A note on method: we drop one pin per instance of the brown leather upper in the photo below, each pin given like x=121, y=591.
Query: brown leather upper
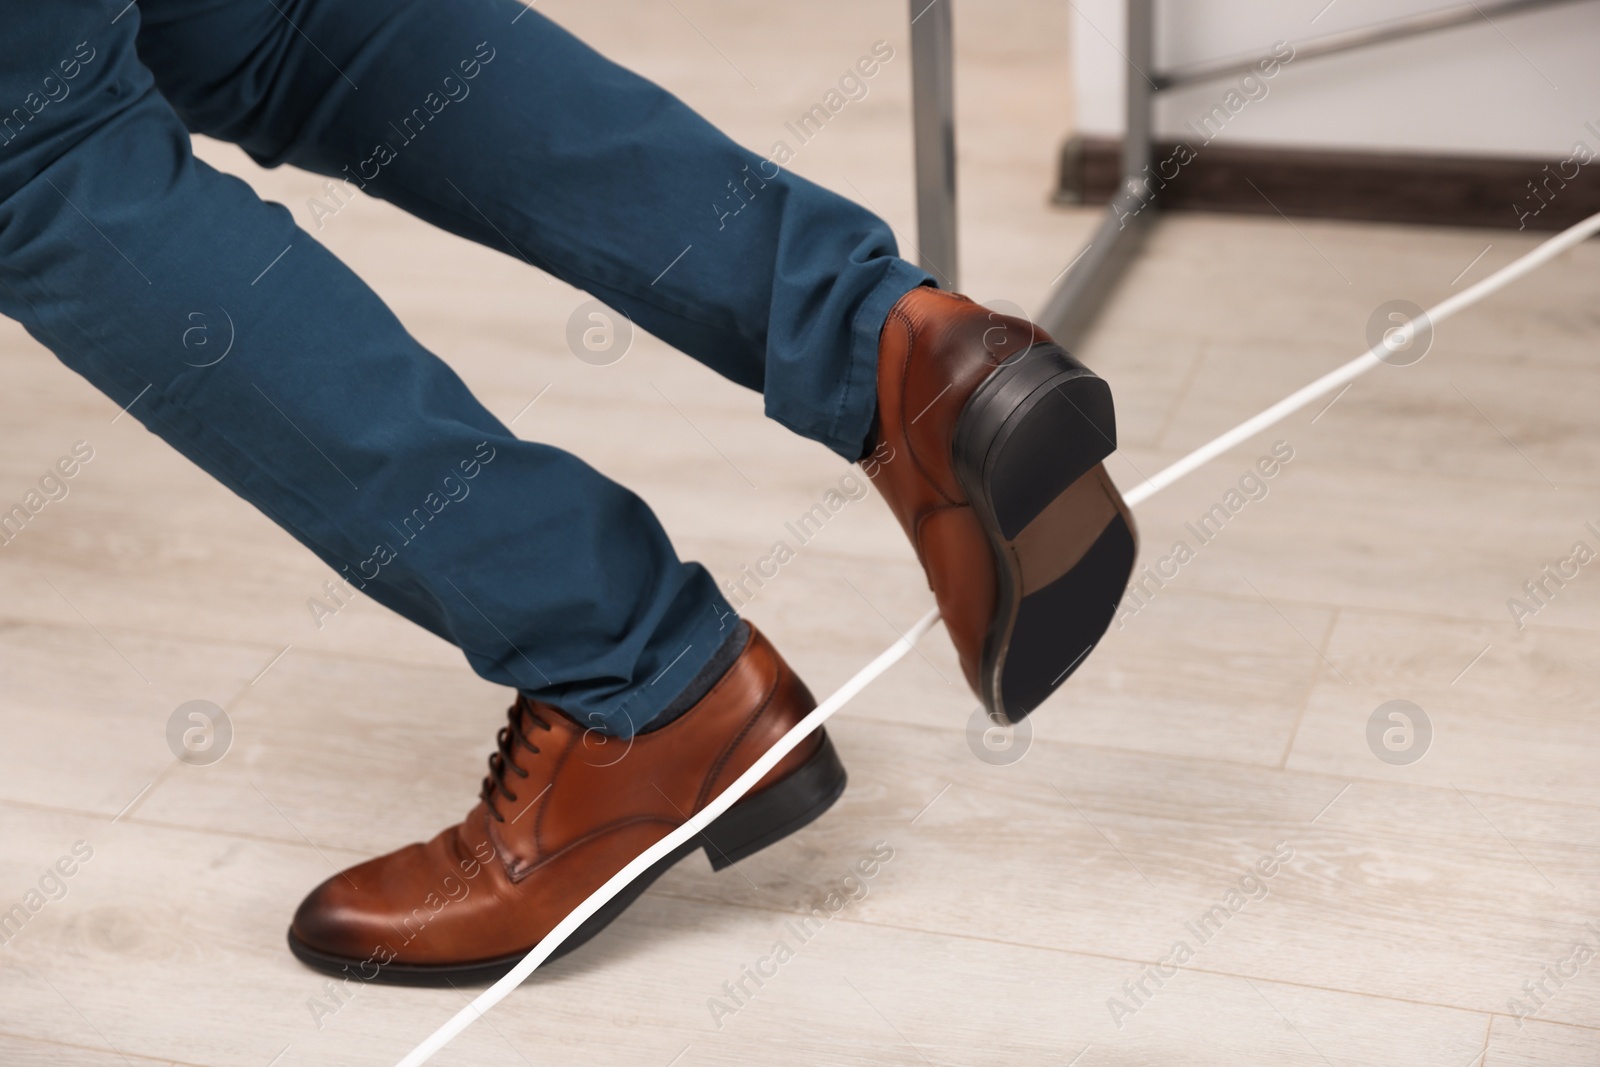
x=936, y=348
x=496, y=883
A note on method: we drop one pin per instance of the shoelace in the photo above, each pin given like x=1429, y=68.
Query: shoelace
x=503, y=758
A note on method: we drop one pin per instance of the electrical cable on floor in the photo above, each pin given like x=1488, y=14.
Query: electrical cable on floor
x=1394, y=341
x=1397, y=340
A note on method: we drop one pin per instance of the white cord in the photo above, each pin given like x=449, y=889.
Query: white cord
x=1537, y=257
x=804, y=728
x=667, y=845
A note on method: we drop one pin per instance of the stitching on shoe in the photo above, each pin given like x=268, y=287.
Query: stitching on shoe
x=544, y=806
x=744, y=731
x=916, y=541
x=905, y=427
x=521, y=874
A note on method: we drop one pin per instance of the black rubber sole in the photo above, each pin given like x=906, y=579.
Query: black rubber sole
x=1057, y=627
x=1037, y=428
x=745, y=829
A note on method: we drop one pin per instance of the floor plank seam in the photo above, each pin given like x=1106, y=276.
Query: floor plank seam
x=1314, y=676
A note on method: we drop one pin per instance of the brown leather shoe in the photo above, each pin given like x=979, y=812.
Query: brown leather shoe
x=558, y=816
x=990, y=438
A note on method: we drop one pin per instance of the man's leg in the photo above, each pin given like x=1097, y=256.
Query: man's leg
x=490, y=121
x=326, y=415
x=115, y=244
x=483, y=117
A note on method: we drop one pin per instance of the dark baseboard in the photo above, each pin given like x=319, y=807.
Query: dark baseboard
x=1534, y=194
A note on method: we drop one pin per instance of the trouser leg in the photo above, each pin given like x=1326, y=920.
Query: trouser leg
x=324, y=413
x=485, y=118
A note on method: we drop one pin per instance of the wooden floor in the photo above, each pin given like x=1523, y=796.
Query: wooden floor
x=1031, y=908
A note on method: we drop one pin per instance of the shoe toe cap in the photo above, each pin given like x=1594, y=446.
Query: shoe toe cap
x=355, y=913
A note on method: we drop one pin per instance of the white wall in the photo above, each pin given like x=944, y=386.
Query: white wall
x=1523, y=86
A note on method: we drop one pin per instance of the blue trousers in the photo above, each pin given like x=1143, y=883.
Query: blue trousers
x=483, y=118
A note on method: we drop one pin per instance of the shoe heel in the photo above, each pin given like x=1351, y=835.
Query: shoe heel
x=1035, y=426
x=777, y=811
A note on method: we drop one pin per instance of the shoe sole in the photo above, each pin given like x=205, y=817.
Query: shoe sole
x=1028, y=451
x=745, y=829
